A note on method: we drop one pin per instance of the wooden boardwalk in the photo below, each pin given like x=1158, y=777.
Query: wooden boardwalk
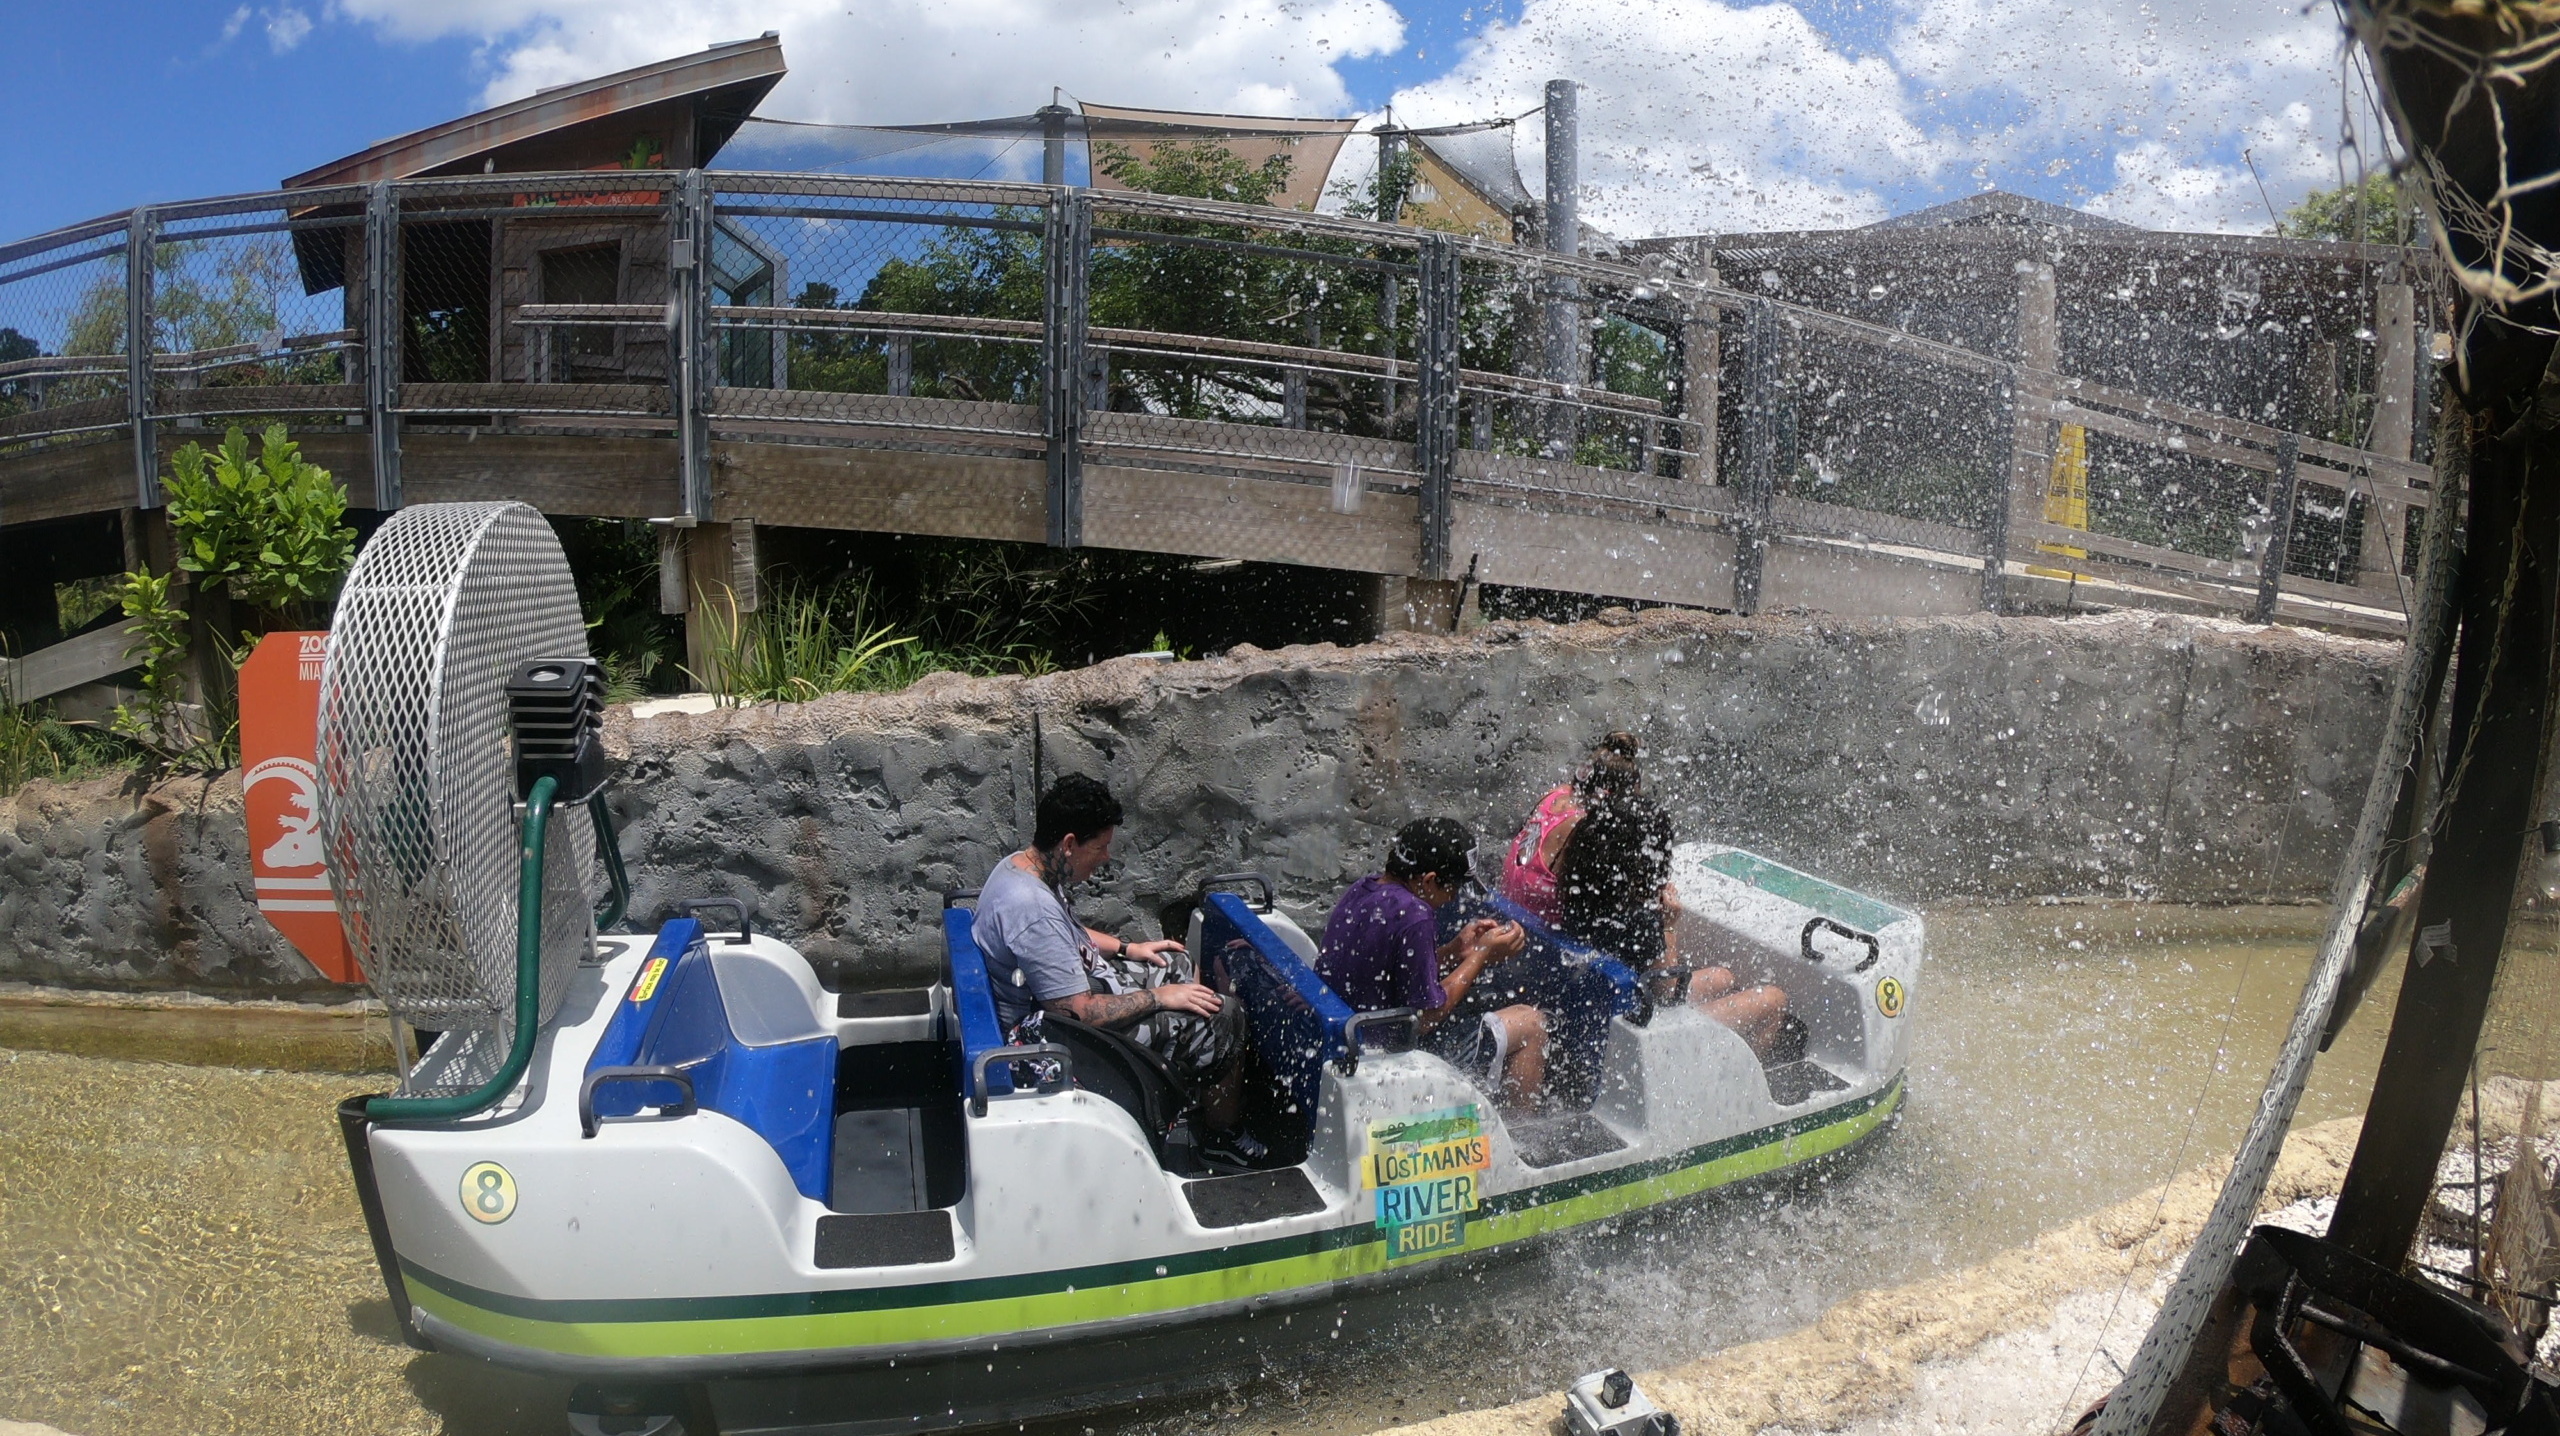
x=1402, y=450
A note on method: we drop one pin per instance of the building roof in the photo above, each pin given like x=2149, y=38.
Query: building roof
x=1998, y=209
x=725, y=83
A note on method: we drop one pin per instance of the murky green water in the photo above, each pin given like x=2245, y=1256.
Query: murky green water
x=179, y=1250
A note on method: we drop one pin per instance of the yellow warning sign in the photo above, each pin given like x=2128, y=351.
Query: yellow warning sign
x=648, y=983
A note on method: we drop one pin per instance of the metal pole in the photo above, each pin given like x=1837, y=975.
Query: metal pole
x=1436, y=439
x=141, y=246
x=1390, y=210
x=382, y=327
x=1053, y=143
x=2271, y=556
x=1759, y=452
x=1067, y=251
x=689, y=236
x=1562, y=221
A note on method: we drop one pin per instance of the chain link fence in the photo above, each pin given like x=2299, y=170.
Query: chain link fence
x=1142, y=371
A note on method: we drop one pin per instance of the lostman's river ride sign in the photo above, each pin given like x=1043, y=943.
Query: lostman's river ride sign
x=1428, y=1171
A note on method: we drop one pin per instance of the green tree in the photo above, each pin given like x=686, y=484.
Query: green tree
x=262, y=530
x=2388, y=216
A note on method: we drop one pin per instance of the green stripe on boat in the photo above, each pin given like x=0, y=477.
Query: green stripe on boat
x=669, y=1327
x=1805, y=890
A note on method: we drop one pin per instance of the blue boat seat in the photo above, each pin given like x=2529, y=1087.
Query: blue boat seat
x=1297, y=1021
x=677, y=1015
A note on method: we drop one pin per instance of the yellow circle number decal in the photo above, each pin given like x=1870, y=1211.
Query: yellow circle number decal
x=1889, y=997
x=488, y=1193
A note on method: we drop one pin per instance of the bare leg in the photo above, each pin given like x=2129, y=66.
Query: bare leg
x=1524, y=1069
x=1709, y=983
x=1754, y=1013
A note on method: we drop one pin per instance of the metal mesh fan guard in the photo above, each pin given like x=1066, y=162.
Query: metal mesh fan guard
x=417, y=799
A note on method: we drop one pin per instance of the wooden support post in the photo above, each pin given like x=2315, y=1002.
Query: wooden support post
x=2379, y=560
x=1701, y=352
x=718, y=568
x=2031, y=396
x=1398, y=604
x=380, y=326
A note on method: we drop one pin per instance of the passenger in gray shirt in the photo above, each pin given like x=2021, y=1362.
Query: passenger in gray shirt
x=1041, y=959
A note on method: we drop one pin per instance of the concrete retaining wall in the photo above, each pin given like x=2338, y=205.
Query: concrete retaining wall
x=2138, y=756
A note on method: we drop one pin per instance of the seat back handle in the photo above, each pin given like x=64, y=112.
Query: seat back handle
x=1232, y=882
x=1355, y=1030
x=1875, y=949
x=1052, y=1079
x=687, y=907
x=589, y=1119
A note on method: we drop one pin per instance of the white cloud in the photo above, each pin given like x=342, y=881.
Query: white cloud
x=286, y=28
x=1696, y=115
x=893, y=61
x=231, y=27
x=2147, y=108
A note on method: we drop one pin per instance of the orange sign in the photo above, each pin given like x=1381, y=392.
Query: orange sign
x=280, y=788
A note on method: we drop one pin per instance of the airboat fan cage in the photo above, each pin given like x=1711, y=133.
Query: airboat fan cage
x=417, y=793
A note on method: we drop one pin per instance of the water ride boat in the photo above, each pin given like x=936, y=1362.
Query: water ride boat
x=682, y=1169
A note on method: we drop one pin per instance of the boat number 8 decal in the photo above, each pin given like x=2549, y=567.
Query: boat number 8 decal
x=488, y=1193
x=1889, y=997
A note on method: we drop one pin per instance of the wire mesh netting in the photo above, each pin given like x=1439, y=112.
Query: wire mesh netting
x=540, y=303
x=858, y=306
x=63, y=314
x=1212, y=342
x=417, y=783
x=250, y=319
x=1865, y=429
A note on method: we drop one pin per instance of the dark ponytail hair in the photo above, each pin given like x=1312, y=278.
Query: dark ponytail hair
x=1612, y=771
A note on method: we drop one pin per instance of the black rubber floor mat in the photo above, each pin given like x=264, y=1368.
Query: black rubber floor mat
x=1794, y=1082
x=1252, y=1197
x=910, y=1002
x=885, y=1239
x=1554, y=1141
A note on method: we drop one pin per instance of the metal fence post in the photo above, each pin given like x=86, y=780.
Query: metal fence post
x=2280, y=491
x=1701, y=355
x=2020, y=497
x=688, y=249
x=1436, y=399
x=1067, y=251
x=382, y=337
x=141, y=246
x=1758, y=479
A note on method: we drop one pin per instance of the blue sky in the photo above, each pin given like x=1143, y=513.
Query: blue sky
x=1701, y=113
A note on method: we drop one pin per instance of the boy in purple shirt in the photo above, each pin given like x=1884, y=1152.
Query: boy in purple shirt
x=1381, y=950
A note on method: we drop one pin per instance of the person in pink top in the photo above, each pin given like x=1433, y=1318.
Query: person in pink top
x=1529, y=871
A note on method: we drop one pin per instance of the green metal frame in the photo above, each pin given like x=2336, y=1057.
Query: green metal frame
x=537, y=818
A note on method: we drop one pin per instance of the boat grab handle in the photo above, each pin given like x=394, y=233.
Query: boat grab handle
x=1354, y=1025
x=1676, y=992
x=687, y=907
x=1232, y=880
x=1875, y=949
x=1053, y=1079
x=957, y=896
x=588, y=1118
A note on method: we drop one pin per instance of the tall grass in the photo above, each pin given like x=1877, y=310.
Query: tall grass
x=809, y=640
x=35, y=744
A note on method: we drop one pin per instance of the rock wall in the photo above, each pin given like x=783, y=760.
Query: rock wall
x=2138, y=756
